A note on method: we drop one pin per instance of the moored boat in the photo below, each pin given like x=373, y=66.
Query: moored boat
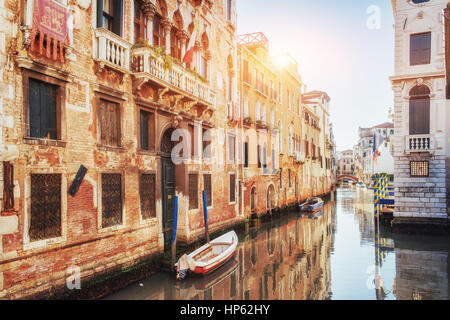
x=311, y=205
x=209, y=257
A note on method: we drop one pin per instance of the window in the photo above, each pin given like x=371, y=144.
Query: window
x=8, y=187
x=204, y=67
x=232, y=188
x=144, y=124
x=109, y=123
x=111, y=200
x=419, y=1
x=147, y=184
x=420, y=48
x=45, y=218
x=158, y=31
x=207, y=186
x=253, y=199
x=193, y=191
x=419, y=168
x=42, y=110
x=289, y=176
x=259, y=156
x=419, y=110
x=206, y=144
x=110, y=15
x=281, y=178
x=140, y=23
x=246, y=155
x=231, y=147
x=229, y=3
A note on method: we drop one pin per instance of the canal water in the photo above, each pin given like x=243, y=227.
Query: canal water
x=333, y=255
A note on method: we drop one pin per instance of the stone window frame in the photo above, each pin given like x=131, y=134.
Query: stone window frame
x=149, y=221
x=61, y=129
x=118, y=227
x=28, y=244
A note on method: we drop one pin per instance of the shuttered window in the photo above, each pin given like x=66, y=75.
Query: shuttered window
x=419, y=110
x=420, y=48
x=231, y=148
x=109, y=123
x=147, y=184
x=144, y=124
x=42, y=110
x=111, y=200
x=232, y=188
x=45, y=218
x=193, y=191
x=208, y=189
x=8, y=187
x=246, y=155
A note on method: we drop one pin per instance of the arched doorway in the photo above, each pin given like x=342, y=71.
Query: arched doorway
x=253, y=200
x=271, y=201
x=168, y=184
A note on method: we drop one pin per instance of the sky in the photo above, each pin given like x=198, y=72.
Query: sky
x=337, y=53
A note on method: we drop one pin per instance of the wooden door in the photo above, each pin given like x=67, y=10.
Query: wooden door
x=168, y=197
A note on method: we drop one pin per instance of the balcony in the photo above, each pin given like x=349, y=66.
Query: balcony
x=419, y=143
x=111, y=50
x=300, y=157
x=148, y=65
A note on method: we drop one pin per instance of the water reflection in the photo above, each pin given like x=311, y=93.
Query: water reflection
x=335, y=254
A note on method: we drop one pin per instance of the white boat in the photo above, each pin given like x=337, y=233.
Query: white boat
x=209, y=257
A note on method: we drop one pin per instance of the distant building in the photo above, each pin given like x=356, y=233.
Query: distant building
x=365, y=167
x=345, y=163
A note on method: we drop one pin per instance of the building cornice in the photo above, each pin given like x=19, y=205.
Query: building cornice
x=440, y=74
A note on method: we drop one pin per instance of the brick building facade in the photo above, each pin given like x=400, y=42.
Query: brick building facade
x=110, y=125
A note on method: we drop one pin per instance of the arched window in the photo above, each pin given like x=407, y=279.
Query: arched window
x=175, y=36
x=158, y=30
x=204, y=56
x=253, y=199
x=419, y=110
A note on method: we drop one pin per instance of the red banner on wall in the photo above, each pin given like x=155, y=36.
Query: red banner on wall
x=50, y=22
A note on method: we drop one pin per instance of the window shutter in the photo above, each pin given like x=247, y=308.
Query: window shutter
x=99, y=13
x=232, y=188
x=193, y=191
x=118, y=17
x=34, y=109
x=144, y=130
x=147, y=193
x=208, y=189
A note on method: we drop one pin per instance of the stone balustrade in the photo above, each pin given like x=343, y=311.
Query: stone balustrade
x=147, y=63
x=419, y=143
x=111, y=49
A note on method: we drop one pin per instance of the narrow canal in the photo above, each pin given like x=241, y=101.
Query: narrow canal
x=335, y=255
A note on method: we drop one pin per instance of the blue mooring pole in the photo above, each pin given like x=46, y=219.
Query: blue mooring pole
x=174, y=231
x=205, y=214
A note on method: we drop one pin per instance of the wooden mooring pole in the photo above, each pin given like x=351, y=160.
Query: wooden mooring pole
x=174, y=231
x=205, y=213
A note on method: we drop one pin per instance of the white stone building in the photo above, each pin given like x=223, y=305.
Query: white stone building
x=421, y=119
x=365, y=167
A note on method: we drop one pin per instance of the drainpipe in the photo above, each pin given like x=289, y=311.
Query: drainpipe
x=241, y=107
